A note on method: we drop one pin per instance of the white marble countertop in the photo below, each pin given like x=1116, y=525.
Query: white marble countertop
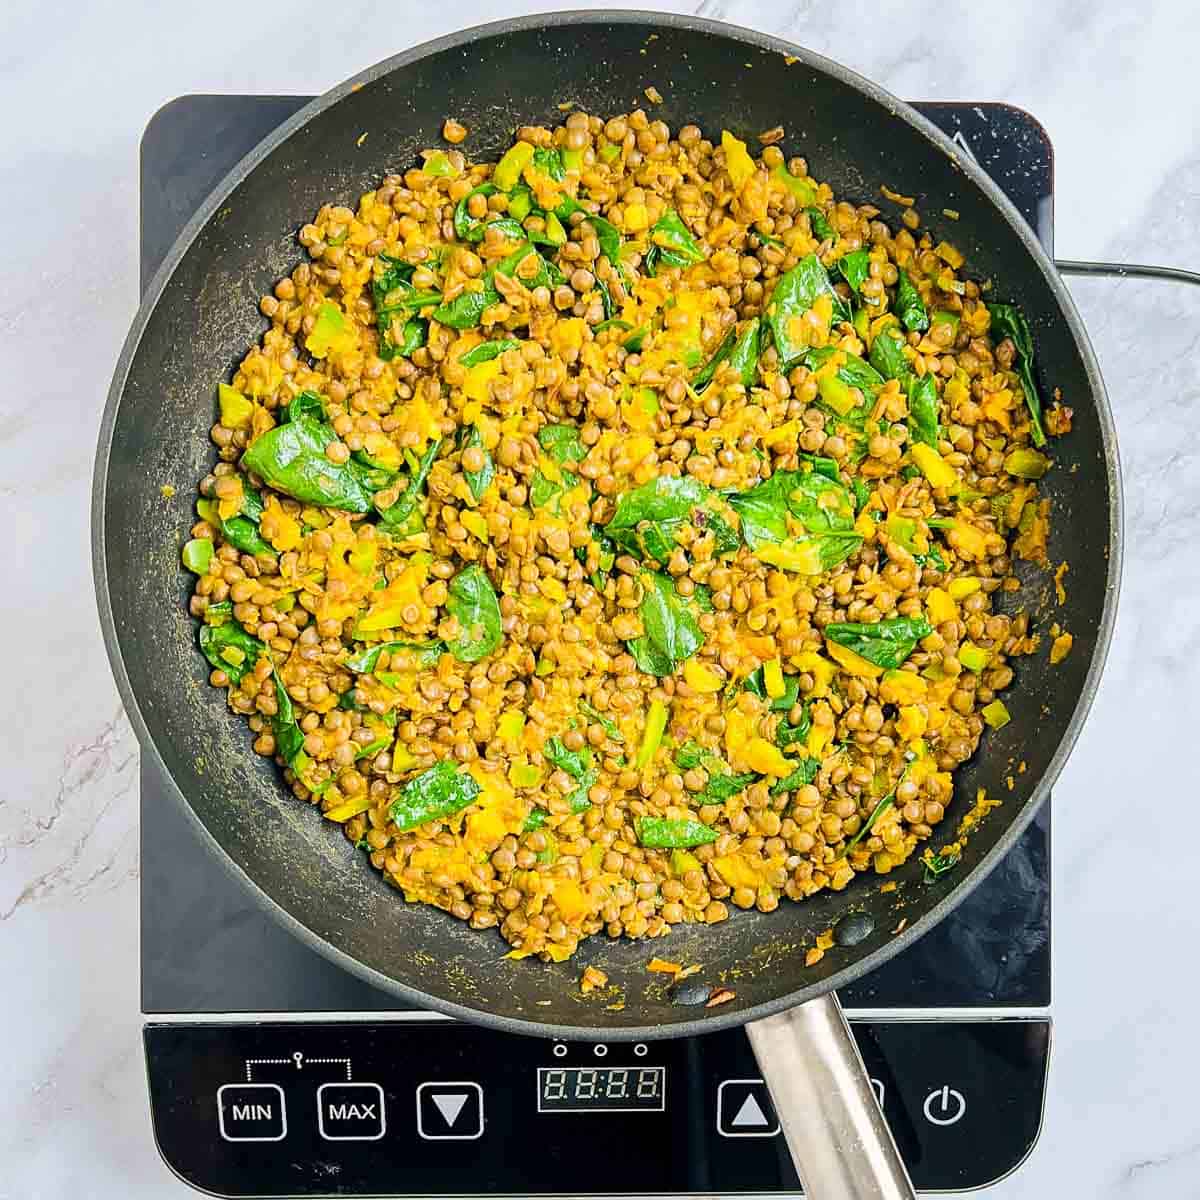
x=1114, y=86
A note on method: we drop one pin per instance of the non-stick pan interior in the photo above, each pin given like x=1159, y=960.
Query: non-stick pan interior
x=204, y=316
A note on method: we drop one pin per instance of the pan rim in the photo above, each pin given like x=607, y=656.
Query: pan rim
x=896, y=108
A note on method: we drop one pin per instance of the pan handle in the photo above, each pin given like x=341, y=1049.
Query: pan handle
x=1068, y=266
x=840, y=1144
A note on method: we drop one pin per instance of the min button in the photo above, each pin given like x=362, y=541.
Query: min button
x=252, y=1112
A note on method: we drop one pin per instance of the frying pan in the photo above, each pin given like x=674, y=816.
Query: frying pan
x=200, y=314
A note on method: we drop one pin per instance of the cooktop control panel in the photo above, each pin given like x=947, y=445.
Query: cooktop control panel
x=416, y=1107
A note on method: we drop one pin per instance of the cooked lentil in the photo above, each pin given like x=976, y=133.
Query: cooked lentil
x=569, y=550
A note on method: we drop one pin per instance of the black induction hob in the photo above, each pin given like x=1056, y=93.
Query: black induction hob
x=272, y=1072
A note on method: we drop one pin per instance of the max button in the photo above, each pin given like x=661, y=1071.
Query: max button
x=351, y=1112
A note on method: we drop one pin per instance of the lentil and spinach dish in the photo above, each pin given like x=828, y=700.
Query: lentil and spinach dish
x=611, y=535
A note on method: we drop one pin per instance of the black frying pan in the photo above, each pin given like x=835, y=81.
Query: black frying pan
x=200, y=314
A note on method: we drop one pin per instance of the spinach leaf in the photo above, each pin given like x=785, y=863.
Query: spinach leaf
x=885, y=643
x=887, y=356
x=740, y=351
x=862, y=493
x=794, y=294
x=401, y=331
x=486, y=351
x=609, y=238
x=705, y=375
x=466, y=227
x=671, y=634
x=608, y=307
x=909, y=306
x=818, y=503
x=856, y=269
x=1008, y=321
x=473, y=601
x=672, y=244
x=548, y=160
x=478, y=481
x=466, y=310
x=876, y=813
x=240, y=532
x=367, y=659
x=822, y=509
x=933, y=559
x=819, y=224
x=756, y=684
x=562, y=443
x=689, y=755
x=291, y=459
x=402, y=513
x=806, y=771
x=636, y=340
x=439, y=792
x=648, y=519
x=229, y=648
x=722, y=787
x=606, y=723
x=936, y=865
x=835, y=395
x=923, y=410
x=663, y=833
x=545, y=493
x=787, y=734
x=822, y=465
x=289, y=738
x=576, y=763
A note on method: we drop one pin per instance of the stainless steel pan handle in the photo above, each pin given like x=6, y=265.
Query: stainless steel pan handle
x=840, y=1144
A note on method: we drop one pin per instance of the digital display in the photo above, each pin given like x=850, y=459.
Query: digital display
x=602, y=1089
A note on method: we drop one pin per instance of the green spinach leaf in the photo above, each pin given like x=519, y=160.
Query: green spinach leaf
x=909, y=306
x=887, y=356
x=478, y=481
x=289, y=738
x=856, y=269
x=1008, y=321
x=807, y=771
x=562, y=443
x=291, y=459
x=671, y=634
x=885, y=643
x=671, y=244
x=606, y=723
x=663, y=833
x=486, y=351
x=439, y=792
x=819, y=224
x=648, y=519
x=756, y=684
x=426, y=655
x=740, y=351
x=402, y=513
x=466, y=227
x=794, y=294
x=473, y=602
x=923, y=410
x=229, y=648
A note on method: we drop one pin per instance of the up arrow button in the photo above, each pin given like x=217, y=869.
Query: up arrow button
x=744, y=1109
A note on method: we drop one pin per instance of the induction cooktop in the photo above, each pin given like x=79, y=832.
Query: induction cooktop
x=272, y=1072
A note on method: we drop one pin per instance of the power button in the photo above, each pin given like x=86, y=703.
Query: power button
x=945, y=1106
